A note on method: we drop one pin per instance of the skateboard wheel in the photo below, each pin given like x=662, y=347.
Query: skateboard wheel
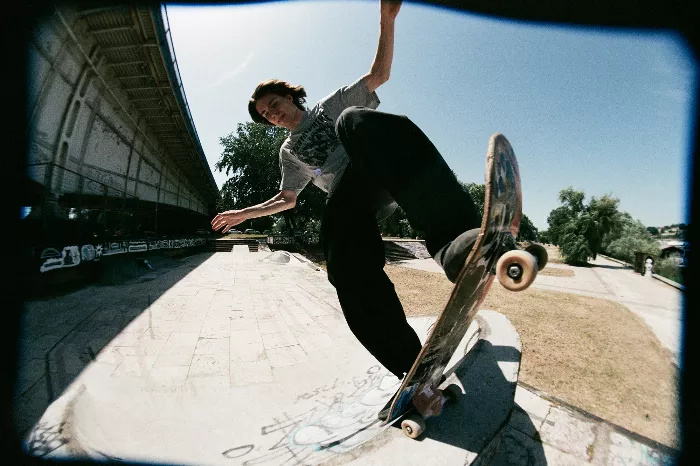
x=452, y=392
x=413, y=426
x=540, y=253
x=516, y=270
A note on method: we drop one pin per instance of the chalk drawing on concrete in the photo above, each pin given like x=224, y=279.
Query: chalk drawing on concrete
x=343, y=417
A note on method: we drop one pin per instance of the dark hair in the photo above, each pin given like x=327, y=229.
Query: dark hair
x=281, y=88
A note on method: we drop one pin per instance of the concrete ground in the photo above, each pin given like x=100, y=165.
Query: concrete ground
x=244, y=358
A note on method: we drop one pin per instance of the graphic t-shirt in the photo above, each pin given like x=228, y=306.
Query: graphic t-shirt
x=313, y=152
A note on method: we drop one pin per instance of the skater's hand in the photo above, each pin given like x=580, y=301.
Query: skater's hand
x=389, y=9
x=225, y=220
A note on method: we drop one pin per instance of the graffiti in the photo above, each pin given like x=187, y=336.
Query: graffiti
x=45, y=438
x=344, y=416
x=87, y=252
x=137, y=246
x=70, y=256
x=97, y=179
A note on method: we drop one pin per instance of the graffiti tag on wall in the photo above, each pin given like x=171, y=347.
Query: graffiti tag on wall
x=71, y=256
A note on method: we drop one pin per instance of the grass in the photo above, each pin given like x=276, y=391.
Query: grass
x=554, y=256
x=556, y=272
x=592, y=353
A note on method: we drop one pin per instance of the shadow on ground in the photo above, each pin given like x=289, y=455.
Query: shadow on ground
x=62, y=332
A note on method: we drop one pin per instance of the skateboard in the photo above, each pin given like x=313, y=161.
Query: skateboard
x=495, y=254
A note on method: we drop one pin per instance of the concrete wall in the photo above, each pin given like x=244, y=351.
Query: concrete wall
x=83, y=139
x=99, y=169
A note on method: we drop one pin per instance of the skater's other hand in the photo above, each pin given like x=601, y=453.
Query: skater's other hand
x=225, y=220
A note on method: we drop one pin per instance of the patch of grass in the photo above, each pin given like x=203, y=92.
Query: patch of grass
x=556, y=272
x=554, y=256
x=592, y=353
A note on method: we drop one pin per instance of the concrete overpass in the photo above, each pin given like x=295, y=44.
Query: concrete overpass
x=114, y=161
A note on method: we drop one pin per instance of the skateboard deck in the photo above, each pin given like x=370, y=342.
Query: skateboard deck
x=499, y=228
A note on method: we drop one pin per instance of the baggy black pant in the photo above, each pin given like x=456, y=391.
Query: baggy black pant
x=387, y=152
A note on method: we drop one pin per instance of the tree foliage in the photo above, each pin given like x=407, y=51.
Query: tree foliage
x=581, y=230
x=527, y=232
x=632, y=237
x=251, y=160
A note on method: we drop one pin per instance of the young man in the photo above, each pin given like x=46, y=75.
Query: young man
x=367, y=161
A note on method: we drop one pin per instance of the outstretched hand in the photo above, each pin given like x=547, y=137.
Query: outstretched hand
x=225, y=220
x=389, y=9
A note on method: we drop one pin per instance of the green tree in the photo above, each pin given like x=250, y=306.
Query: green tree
x=581, y=230
x=557, y=220
x=251, y=160
x=653, y=231
x=528, y=231
x=633, y=237
x=478, y=194
x=543, y=237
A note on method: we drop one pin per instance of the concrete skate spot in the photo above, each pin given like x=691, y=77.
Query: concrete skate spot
x=279, y=257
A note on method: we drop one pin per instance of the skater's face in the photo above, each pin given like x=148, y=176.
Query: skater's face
x=279, y=110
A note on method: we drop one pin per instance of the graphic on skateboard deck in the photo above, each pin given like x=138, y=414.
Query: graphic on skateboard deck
x=494, y=254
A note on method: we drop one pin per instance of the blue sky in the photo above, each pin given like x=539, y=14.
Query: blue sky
x=604, y=111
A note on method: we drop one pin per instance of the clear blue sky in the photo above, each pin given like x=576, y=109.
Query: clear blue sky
x=604, y=111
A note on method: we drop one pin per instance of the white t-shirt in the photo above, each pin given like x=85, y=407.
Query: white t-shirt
x=313, y=152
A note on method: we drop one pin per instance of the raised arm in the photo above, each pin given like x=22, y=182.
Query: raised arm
x=282, y=201
x=381, y=67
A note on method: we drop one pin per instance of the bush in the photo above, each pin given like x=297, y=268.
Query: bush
x=633, y=238
x=669, y=267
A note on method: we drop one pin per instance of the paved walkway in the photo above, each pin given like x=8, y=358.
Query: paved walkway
x=231, y=358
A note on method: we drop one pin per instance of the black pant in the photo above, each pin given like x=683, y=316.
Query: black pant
x=387, y=152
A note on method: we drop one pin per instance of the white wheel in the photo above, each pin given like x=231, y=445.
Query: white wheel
x=413, y=426
x=516, y=270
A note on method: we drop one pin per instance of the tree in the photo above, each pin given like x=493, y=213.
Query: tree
x=633, y=237
x=477, y=193
x=251, y=159
x=582, y=230
x=527, y=231
x=653, y=231
x=544, y=237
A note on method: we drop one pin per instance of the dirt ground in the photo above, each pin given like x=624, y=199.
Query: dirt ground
x=592, y=353
x=554, y=272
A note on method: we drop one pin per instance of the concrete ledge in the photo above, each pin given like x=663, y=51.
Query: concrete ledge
x=616, y=260
x=668, y=282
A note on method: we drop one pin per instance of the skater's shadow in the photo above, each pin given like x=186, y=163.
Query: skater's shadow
x=480, y=421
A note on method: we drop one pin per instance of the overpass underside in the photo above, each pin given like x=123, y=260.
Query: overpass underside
x=114, y=160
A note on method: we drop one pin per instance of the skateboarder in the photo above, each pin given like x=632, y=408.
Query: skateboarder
x=367, y=161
